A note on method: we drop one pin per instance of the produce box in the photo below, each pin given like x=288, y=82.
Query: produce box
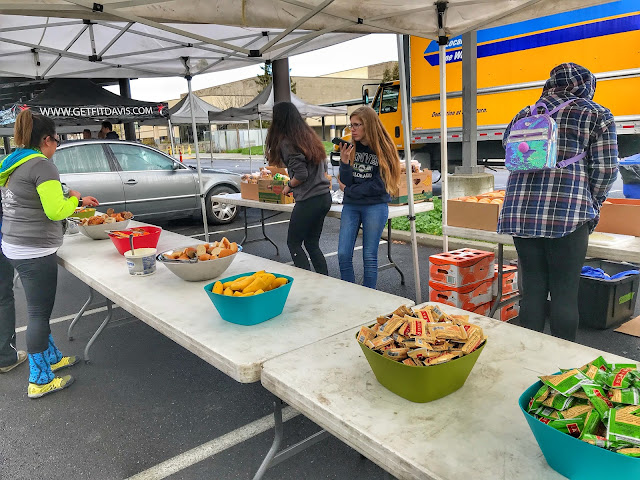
x=483, y=309
x=620, y=215
x=467, y=297
x=249, y=191
x=422, y=189
x=270, y=191
x=509, y=279
x=274, y=170
x=476, y=212
x=510, y=310
x=461, y=267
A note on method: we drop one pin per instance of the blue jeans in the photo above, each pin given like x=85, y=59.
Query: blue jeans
x=373, y=218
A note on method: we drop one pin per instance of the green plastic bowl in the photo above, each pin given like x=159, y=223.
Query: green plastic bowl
x=421, y=384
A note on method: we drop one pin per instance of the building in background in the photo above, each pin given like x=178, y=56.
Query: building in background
x=333, y=87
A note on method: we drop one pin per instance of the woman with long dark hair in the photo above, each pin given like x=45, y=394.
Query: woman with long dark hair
x=291, y=143
x=369, y=173
x=33, y=207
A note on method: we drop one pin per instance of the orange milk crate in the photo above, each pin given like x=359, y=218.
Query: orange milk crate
x=460, y=267
x=466, y=297
x=509, y=279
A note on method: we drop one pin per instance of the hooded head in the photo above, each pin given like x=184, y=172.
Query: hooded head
x=570, y=78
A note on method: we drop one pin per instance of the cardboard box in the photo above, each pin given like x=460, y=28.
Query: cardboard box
x=422, y=188
x=249, y=191
x=483, y=309
x=481, y=216
x=274, y=170
x=510, y=310
x=509, y=279
x=468, y=297
x=270, y=191
x=621, y=216
x=461, y=267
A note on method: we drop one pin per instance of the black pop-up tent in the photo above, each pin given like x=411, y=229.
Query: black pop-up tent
x=80, y=102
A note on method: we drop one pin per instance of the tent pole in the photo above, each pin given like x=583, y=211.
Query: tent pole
x=407, y=161
x=195, y=140
x=261, y=137
x=210, y=144
x=444, y=161
x=173, y=145
x=249, y=140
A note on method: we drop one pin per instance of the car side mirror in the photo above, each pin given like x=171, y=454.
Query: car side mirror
x=175, y=166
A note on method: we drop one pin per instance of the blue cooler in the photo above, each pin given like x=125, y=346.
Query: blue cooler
x=630, y=173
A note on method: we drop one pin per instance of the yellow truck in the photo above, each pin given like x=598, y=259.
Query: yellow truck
x=513, y=63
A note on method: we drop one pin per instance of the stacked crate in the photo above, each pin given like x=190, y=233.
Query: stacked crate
x=462, y=278
x=511, y=309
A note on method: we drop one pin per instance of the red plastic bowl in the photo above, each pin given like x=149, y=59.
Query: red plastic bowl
x=146, y=241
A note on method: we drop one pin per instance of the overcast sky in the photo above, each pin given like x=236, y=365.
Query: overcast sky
x=367, y=50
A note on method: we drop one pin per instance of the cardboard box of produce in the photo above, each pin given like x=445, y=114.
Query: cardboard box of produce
x=270, y=191
x=479, y=213
x=621, y=215
x=274, y=170
x=249, y=191
x=421, y=188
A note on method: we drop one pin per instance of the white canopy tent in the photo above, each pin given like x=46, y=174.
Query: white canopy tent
x=49, y=47
x=437, y=20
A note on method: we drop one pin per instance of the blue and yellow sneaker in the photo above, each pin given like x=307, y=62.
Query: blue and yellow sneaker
x=64, y=363
x=58, y=383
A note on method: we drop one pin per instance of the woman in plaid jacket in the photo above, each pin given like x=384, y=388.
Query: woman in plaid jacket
x=551, y=213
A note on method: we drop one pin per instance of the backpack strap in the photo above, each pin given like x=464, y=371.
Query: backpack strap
x=569, y=161
x=562, y=105
x=534, y=108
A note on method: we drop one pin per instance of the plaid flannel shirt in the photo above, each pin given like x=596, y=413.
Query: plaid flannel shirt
x=553, y=203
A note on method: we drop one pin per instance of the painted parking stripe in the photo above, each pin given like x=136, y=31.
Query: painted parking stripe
x=70, y=317
x=213, y=447
x=333, y=254
x=240, y=228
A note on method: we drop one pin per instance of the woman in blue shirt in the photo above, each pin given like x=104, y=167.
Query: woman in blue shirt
x=369, y=173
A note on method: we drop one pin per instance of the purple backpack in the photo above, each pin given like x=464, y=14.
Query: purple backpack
x=532, y=144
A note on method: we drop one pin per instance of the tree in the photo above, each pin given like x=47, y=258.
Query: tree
x=265, y=78
x=391, y=74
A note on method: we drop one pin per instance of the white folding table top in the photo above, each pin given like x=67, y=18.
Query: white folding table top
x=317, y=307
x=476, y=432
x=619, y=248
x=335, y=211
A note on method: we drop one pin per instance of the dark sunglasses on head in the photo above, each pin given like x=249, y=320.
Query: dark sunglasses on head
x=57, y=140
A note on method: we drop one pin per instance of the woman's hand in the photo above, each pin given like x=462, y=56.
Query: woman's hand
x=341, y=185
x=345, y=152
x=286, y=190
x=90, y=202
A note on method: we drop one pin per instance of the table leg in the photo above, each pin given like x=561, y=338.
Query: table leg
x=246, y=226
x=79, y=314
x=99, y=331
x=273, y=457
x=391, y=263
x=264, y=232
x=496, y=304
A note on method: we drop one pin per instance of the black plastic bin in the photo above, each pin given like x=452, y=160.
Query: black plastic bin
x=607, y=303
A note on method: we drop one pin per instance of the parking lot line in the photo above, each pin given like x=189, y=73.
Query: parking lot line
x=69, y=317
x=240, y=228
x=213, y=447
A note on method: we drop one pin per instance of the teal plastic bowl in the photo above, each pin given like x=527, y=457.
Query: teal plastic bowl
x=250, y=310
x=573, y=458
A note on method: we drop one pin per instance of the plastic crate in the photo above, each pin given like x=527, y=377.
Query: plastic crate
x=630, y=190
x=607, y=303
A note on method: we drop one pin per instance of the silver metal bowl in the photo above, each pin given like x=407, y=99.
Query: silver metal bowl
x=101, y=232
x=197, y=271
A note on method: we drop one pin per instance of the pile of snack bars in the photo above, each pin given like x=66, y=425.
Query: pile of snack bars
x=422, y=337
x=597, y=403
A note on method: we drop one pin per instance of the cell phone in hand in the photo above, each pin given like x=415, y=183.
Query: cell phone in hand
x=339, y=141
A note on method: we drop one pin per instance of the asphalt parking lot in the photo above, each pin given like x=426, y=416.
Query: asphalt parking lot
x=147, y=408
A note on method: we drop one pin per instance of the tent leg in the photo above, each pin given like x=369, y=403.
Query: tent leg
x=406, y=103
x=444, y=160
x=249, y=141
x=261, y=137
x=210, y=144
x=173, y=145
x=195, y=141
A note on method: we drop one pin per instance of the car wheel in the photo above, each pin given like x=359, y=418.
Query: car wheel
x=217, y=212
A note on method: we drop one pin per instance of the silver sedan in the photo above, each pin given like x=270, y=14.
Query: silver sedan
x=132, y=176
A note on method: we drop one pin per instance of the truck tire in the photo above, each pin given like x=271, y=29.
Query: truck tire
x=220, y=213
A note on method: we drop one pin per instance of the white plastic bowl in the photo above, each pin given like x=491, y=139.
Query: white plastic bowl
x=100, y=232
x=197, y=271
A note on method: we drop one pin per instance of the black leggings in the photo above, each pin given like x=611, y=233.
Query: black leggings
x=552, y=265
x=39, y=277
x=8, y=355
x=307, y=220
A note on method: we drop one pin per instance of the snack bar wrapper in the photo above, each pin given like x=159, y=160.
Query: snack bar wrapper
x=538, y=398
x=568, y=382
x=627, y=396
x=558, y=401
x=599, y=399
x=572, y=426
x=623, y=425
x=602, y=442
x=366, y=334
